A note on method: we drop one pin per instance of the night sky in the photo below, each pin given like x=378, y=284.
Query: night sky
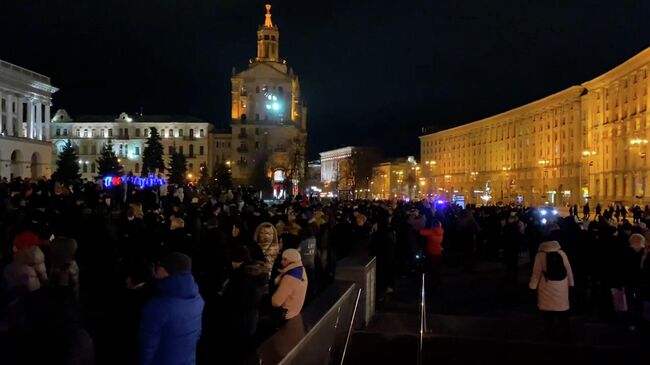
x=372, y=72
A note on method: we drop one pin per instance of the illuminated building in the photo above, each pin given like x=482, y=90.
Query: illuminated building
x=396, y=179
x=587, y=142
x=268, y=120
x=25, y=99
x=348, y=170
x=129, y=133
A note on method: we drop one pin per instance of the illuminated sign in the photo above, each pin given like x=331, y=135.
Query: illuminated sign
x=140, y=181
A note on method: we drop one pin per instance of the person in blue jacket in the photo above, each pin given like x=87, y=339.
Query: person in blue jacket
x=171, y=321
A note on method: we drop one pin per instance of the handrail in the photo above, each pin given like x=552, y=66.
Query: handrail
x=347, y=339
x=423, y=320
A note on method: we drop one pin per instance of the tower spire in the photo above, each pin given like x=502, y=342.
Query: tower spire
x=267, y=21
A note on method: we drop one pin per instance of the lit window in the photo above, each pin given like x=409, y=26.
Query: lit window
x=137, y=151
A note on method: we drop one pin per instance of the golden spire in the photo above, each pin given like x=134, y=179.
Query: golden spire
x=267, y=22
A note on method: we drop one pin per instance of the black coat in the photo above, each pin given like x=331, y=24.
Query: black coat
x=241, y=298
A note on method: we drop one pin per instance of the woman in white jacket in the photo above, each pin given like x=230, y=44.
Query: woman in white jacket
x=552, y=295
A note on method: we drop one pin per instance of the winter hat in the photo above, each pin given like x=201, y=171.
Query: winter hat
x=25, y=239
x=240, y=254
x=637, y=242
x=292, y=256
x=176, y=262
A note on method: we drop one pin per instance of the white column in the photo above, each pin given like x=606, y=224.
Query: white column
x=30, y=119
x=46, y=122
x=10, y=115
x=18, y=127
x=38, y=121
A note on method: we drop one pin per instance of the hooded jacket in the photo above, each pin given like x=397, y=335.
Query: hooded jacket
x=433, y=238
x=171, y=322
x=292, y=290
x=551, y=295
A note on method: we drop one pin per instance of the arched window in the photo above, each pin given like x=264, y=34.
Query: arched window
x=171, y=150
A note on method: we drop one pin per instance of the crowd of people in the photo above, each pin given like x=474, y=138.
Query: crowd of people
x=190, y=274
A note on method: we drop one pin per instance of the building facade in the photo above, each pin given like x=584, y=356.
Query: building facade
x=268, y=119
x=396, y=179
x=25, y=100
x=587, y=142
x=128, y=134
x=347, y=171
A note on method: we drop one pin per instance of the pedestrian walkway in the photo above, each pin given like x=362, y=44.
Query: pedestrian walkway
x=482, y=319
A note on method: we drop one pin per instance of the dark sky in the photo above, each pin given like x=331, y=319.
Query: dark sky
x=372, y=72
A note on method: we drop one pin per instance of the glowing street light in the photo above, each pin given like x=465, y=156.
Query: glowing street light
x=638, y=141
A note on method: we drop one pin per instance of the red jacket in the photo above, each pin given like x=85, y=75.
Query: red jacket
x=433, y=246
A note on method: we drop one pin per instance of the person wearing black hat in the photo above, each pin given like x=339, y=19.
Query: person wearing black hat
x=171, y=321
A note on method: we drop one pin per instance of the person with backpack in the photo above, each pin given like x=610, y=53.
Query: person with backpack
x=552, y=276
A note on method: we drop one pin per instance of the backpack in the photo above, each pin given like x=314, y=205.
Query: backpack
x=555, y=270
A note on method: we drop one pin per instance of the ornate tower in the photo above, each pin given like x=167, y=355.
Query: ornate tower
x=268, y=39
x=268, y=119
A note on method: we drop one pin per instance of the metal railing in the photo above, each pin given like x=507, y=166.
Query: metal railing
x=351, y=327
x=423, y=319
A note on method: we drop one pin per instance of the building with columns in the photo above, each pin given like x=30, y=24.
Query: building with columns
x=347, y=170
x=129, y=133
x=25, y=99
x=587, y=142
x=268, y=119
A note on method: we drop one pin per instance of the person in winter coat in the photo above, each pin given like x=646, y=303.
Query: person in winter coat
x=27, y=268
x=241, y=296
x=266, y=237
x=512, y=241
x=552, y=295
x=64, y=270
x=171, y=321
x=290, y=295
x=433, y=251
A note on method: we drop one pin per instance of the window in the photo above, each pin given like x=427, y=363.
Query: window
x=257, y=116
x=190, y=167
x=257, y=89
x=92, y=167
x=191, y=133
x=257, y=145
x=201, y=133
x=272, y=37
x=110, y=132
x=84, y=150
x=257, y=131
x=102, y=133
x=65, y=132
x=162, y=133
x=171, y=133
x=191, y=150
x=58, y=131
x=266, y=37
x=180, y=133
x=201, y=151
x=217, y=144
x=180, y=150
x=93, y=149
x=85, y=167
x=146, y=132
x=171, y=150
x=78, y=133
x=137, y=132
x=137, y=151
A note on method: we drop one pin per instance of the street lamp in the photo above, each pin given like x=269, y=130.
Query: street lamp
x=505, y=172
x=585, y=154
x=544, y=164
